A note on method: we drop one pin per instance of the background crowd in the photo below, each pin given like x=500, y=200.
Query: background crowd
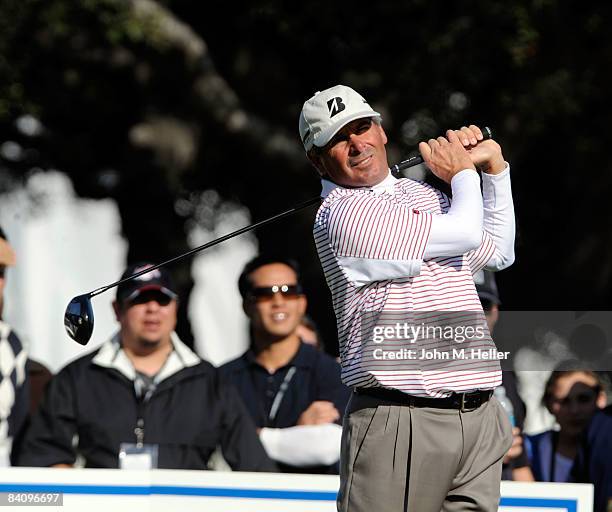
x=144, y=399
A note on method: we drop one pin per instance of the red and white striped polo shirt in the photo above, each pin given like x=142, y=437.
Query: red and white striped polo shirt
x=361, y=228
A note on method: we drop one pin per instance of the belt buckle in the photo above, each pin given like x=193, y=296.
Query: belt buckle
x=464, y=408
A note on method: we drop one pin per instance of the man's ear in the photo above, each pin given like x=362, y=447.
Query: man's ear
x=117, y=310
x=382, y=132
x=601, y=400
x=247, y=307
x=548, y=406
x=317, y=162
x=303, y=304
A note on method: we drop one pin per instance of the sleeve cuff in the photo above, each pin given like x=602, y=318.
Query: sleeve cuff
x=496, y=177
x=464, y=175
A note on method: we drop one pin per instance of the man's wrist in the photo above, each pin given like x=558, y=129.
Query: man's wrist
x=494, y=166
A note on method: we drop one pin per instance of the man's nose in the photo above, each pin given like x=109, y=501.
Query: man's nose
x=278, y=298
x=357, y=144
x=574, y=407
x=152, y=305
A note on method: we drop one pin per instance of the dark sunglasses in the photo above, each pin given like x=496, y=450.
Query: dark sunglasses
x=264, y=293
x=142, y=298
x=584, y=398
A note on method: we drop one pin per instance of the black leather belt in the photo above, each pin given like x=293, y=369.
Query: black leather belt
x=462, y=401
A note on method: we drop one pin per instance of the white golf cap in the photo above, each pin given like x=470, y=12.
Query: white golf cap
x=328, y=111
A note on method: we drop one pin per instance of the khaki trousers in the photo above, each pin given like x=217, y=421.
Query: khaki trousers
x=400, y=458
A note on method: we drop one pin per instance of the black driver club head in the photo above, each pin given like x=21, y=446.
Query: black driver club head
x=79, y=319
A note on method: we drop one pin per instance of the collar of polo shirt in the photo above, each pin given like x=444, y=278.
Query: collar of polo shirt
x=385, y=185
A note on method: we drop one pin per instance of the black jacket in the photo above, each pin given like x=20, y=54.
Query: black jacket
x=316, y=377
x=188, y=415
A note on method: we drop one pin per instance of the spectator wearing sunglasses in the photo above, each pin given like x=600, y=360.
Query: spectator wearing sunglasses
x=572, y=395
x=594, y=460
x=292, y=390
x=143, y=399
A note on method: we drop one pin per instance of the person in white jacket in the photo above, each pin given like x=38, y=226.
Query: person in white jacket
x=292, y=390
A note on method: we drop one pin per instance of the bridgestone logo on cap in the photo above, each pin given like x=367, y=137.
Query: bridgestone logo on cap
x=335, y=106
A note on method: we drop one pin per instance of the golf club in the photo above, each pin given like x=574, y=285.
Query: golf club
x=79, y=317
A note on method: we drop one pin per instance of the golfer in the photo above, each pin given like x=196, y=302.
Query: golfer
x=417, y=436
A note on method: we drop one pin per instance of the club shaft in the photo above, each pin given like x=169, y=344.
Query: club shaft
x=207, y=245
x=410, y=162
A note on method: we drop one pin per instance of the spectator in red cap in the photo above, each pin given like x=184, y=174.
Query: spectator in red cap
x=143, y=399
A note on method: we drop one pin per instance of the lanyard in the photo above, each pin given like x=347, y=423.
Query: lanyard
x=278, y=398
x=139, y=428
x=144, y=388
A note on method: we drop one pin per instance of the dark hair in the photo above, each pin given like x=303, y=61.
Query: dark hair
x=569, y=367
x=244, y=281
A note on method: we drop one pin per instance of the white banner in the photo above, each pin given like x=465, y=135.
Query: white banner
x=161, y=490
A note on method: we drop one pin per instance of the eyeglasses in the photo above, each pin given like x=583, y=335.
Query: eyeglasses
x=142, y=298
x=583, y=398
x=265, y=293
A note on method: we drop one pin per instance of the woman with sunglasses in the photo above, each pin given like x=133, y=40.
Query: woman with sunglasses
x=572, y=395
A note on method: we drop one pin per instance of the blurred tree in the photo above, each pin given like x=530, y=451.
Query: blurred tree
x=147, y=101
